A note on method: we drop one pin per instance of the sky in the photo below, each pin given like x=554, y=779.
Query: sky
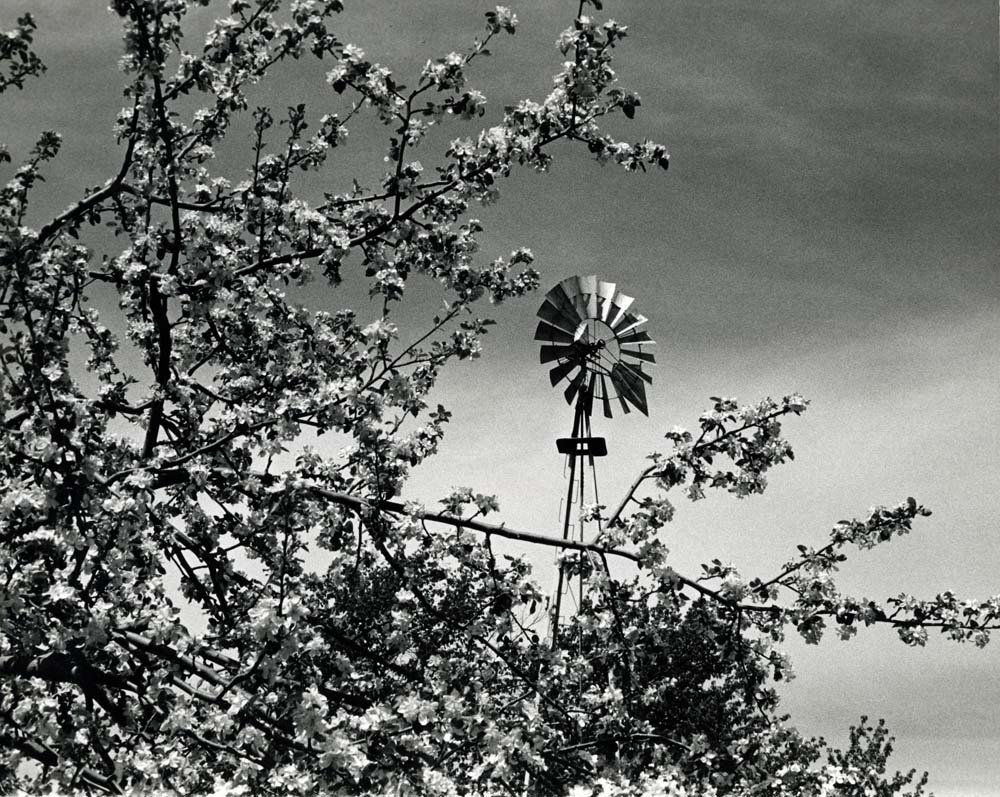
x=828, y=226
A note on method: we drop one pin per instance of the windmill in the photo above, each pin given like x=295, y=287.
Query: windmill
x=595, y=343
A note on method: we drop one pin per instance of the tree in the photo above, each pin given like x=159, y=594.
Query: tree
x=415, y=660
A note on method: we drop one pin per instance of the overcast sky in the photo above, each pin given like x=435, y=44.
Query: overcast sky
x=828, y=225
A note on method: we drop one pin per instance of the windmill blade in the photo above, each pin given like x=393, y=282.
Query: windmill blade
x=552, y=334
x=605, y=398
x=637, y=322
x=606, y=293
x=628, y=323
x=563, y=296
x=636, y=337
x=557, y=293
x=636, y=371
x=638, y=355
x=629, y=386
x=638, y=390
x=623, y=384
x=571, y=287
x=587, y=286
x=574, y=386
x=565, y=304
x=627, y=378
x=549, y=353
x=623, y=303
x=557, y=317
x=641, y=403
x=557, y=374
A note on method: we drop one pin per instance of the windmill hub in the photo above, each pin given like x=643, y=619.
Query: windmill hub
x=598, y=343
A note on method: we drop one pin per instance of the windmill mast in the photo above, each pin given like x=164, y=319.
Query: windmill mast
x=588, y=332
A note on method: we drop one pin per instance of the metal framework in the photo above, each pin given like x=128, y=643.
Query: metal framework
x=588, y=331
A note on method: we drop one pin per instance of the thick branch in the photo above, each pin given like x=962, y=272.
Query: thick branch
x=360, y=504
x=158, y=306
x=97, y=197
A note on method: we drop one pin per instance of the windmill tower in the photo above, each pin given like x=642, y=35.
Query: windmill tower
x=596, y=345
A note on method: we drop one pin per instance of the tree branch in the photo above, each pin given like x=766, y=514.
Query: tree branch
x=360, y=504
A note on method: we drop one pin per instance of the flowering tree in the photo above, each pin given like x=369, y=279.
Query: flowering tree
x=415, y=660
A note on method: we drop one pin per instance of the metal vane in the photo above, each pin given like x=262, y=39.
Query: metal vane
x=594, y=340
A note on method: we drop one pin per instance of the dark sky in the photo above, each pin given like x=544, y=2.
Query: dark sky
x=828, y=225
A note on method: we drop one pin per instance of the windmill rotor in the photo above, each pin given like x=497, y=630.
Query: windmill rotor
x=594, y=340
